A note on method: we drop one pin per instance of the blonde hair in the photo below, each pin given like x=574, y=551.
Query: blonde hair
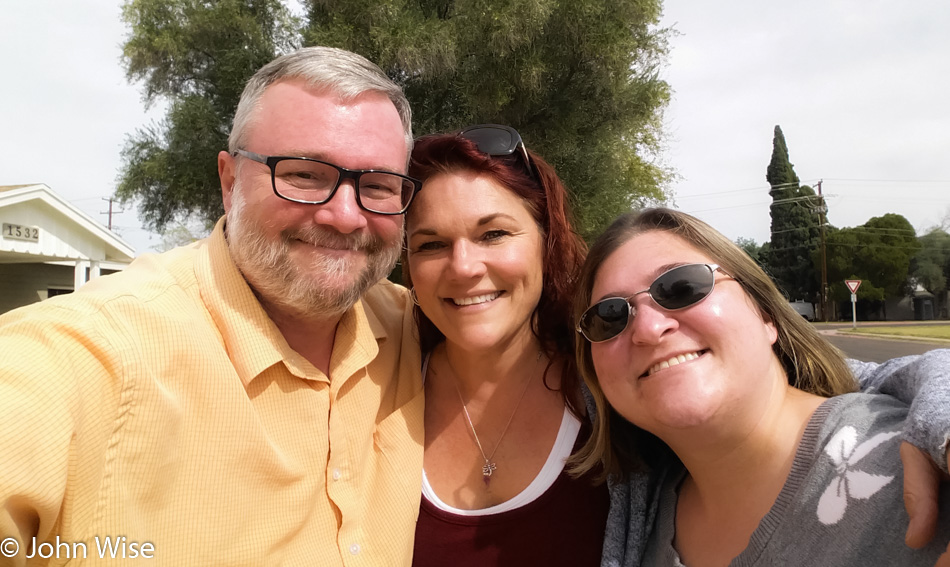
x=811, y=363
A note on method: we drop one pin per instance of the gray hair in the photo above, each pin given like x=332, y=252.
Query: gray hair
x=343, y=73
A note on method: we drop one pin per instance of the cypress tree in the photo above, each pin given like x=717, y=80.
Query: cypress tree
x=793, y=249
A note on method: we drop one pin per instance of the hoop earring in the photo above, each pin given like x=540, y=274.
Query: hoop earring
x=413, y=296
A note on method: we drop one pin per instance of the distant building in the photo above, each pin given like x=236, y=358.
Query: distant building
x=49, y=247
x=919, y=305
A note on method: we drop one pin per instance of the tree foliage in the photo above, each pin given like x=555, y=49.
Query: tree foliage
x=795, y=231
x=878, y=252
x=752, y=248
x=182, y=233
x=578, y=78
x=930, y=267
x=196, y=55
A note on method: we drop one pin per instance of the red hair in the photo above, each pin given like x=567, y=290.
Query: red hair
x=564, y=250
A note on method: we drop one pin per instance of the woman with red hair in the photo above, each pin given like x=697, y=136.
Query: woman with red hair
x=492, y=258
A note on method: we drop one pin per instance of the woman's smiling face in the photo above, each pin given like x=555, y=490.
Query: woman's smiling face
x=670, y=370
x=475, y=255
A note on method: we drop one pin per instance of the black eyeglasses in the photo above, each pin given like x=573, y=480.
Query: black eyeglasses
x=674, y=289
x=314, y=182
x=498, y=140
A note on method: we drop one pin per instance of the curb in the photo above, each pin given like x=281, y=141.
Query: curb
x=848, y=333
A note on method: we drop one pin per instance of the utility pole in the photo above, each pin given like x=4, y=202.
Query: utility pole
x=822, y=209
x=110, y=199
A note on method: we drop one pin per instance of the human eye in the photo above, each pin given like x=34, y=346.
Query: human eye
x=495, y=235
x=380, y=186
x=306, y=175
x=427, y=246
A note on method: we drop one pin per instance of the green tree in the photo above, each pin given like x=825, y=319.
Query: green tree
x=181, y=233
x=578, y=78
x=930, y=267
x=795, y=231
x=878, y=252
x=196, y=56
x=843, y=247
x=750, y=247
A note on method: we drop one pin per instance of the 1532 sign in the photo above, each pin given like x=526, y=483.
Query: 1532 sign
x=18, y=232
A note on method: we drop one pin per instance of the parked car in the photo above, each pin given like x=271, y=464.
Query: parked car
x=804, y=308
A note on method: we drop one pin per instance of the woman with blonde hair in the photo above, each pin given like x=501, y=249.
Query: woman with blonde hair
x=704, y=376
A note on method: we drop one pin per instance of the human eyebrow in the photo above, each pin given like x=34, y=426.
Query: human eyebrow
x=424, y=231
x=488, y=219
x=325, y=158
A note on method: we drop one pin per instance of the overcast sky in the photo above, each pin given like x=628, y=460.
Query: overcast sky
x=861, y=90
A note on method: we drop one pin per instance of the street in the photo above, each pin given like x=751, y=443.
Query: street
x=878, y=350
x=873, y=349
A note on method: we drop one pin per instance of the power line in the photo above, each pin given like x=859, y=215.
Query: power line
x=766, y=189
x=887, y=180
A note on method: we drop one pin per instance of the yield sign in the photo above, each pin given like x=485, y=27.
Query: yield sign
x=853, y=285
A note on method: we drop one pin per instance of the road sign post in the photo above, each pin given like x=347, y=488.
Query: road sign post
x=853, y=285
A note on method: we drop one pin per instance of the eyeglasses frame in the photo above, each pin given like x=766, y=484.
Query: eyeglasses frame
x=631, y=309
x=354, y=174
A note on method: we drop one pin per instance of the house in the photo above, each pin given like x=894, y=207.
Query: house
x=49, y=247
x=919, y=305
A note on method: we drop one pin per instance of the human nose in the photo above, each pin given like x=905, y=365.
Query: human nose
x=342, y=212
x=650, y=322
x=466, y=262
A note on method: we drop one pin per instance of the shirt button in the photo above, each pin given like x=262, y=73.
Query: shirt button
x=355, y=548
x=337, y=475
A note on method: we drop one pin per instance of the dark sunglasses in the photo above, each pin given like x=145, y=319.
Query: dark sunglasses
x=498, y=140
x=674, y=289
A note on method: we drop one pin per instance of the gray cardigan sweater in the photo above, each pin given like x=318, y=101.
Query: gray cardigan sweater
x=842, y=501
x=921, y=381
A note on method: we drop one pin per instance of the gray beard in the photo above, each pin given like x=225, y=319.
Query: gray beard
x=313, y=290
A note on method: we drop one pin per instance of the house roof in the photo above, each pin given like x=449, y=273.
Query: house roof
x=77, y=223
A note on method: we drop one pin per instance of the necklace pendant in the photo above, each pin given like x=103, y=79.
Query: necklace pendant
x=487, y=470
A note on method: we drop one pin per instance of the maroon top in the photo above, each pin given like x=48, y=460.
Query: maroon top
x=563, y=526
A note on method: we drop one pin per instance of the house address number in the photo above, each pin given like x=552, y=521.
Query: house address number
x=19, y=232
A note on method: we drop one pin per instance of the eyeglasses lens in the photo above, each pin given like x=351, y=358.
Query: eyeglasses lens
x=676, y=289
x=682, y=286
x=492, y=141
x=605, y=320
x=314, y=182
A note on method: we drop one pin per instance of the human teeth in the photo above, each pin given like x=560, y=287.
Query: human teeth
x=477, y=299
x=673, y=361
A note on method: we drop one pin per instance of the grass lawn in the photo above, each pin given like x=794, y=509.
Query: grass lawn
x=923, y=331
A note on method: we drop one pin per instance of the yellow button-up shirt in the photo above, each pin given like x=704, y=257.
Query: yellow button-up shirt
x=159, y=415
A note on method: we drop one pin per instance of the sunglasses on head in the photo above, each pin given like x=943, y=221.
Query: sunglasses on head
x=674, y=289
x=498, y=140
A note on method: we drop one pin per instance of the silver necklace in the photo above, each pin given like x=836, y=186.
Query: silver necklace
x=490, y=466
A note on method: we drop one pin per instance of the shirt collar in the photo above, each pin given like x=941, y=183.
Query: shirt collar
x=253, y=341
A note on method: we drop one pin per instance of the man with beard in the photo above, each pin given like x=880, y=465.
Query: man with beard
x=249, y=399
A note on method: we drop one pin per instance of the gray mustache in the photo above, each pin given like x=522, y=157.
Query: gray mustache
x=329, y=239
